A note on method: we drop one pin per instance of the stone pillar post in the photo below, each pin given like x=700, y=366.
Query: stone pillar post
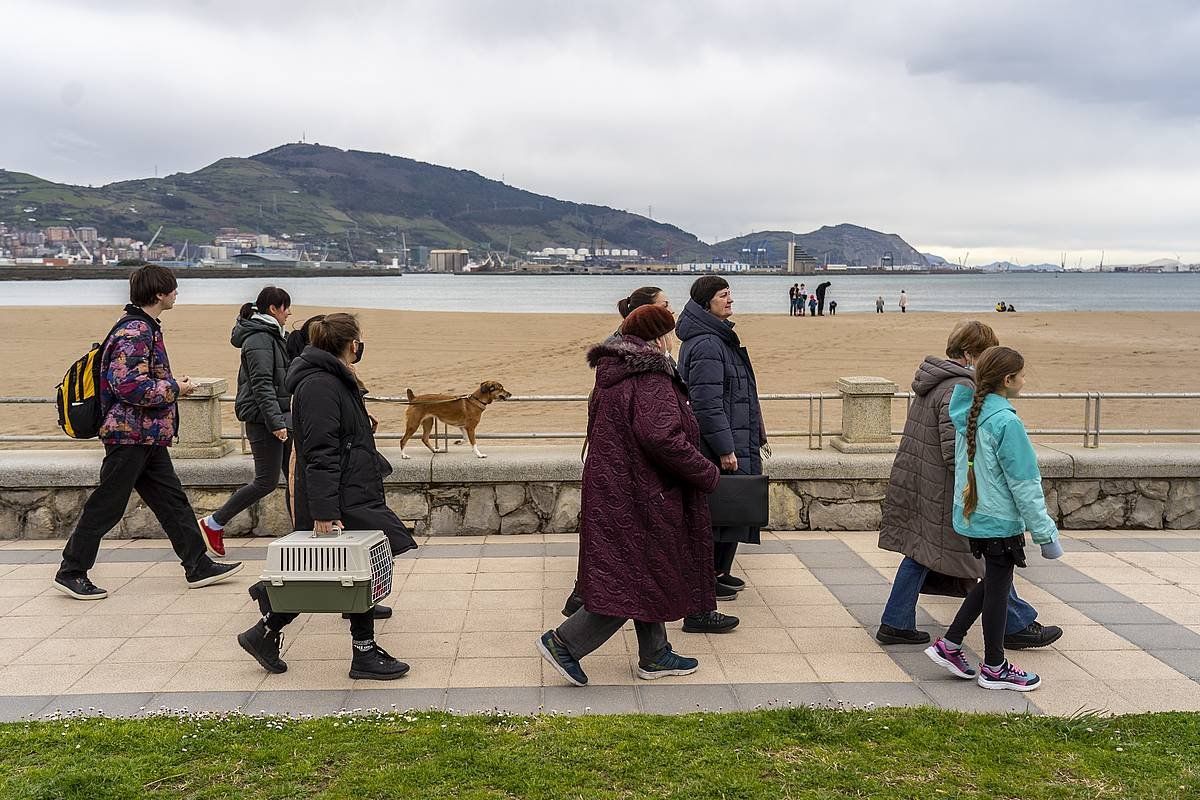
x=866, y=415
x=200, y=421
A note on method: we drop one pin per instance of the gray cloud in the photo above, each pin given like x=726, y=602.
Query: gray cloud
x=1002, y=128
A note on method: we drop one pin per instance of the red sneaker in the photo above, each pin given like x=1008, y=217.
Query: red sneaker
x=214, y=540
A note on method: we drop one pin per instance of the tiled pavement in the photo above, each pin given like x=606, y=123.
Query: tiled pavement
x=469, y=609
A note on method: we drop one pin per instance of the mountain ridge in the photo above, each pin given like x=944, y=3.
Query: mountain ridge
x=326, y=196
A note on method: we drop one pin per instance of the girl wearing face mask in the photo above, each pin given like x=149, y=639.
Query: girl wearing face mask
x=263, y=405
x=336, y=473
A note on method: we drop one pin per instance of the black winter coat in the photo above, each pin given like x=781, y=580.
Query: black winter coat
x=336, y=471
x=724, y=394
x=261, y=395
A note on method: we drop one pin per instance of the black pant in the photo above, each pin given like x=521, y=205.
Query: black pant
x=269, y=455
x=362, y=626
x=148, y=470
x=989, y=598
x=723, y=554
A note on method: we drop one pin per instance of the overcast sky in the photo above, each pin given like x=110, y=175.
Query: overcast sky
x=1010, y=129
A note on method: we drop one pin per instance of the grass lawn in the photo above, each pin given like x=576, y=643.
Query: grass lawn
x=800, y=753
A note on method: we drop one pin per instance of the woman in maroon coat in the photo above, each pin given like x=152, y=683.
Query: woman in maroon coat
x=646, y=540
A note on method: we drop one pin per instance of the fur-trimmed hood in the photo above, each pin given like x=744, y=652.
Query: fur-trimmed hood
x=621, y=357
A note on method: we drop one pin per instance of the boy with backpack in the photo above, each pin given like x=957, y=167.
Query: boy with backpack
x=138, y=417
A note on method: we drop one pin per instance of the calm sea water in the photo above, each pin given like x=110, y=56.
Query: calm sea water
x=599, y=293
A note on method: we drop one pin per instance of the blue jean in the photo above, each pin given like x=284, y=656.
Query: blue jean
x=901, y=609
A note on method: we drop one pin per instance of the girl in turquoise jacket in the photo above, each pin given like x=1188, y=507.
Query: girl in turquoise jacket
x=998, y=496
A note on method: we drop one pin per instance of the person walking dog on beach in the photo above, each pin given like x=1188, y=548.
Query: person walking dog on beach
x=720, y=379
x=919, y=507
x=138, y=395
x=336, y=475
x=997, y=497
x=263, y=405
x=645, y=540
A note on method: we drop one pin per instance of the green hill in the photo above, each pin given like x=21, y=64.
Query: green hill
x=323, y=196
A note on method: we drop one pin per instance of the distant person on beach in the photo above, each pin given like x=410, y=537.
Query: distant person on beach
x=997, y=498
x=644, y=561
x=139, y=402
x=879, y=304
x=918, y=508
x=812, y=305
x=903, y=302
x=821, y=289
x=263, y=405
x=724, y=395
x=832, y=307
x=1011, y=307
x=1001, y=307
x=793, y=299
x=803, y=297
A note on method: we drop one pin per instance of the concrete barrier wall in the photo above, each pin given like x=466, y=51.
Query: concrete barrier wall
x=536, y=490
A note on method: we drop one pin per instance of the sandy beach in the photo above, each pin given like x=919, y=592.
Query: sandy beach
x=544, y=354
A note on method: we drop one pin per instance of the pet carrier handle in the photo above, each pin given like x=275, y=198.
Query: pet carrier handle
x=336, y=530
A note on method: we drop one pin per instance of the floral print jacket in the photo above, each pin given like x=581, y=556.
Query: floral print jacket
x=137, y=392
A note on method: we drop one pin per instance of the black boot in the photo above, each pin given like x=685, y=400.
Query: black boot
x=1036, y=635
x=264, y=643
x=376, y=664
x=889, y=635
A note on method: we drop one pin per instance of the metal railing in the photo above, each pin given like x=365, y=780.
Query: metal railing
x=1091, y=431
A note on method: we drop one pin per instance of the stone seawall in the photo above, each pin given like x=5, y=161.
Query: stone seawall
x=536, y=490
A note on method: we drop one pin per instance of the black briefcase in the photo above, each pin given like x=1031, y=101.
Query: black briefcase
x=740, y=501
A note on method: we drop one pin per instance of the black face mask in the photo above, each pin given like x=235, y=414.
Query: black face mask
x=359, y=347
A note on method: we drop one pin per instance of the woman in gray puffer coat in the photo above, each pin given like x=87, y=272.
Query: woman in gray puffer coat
x=262, y=403
x=920, y=500
x=724, y=392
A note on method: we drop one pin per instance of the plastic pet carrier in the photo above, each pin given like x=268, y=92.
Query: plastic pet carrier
x=346, y=572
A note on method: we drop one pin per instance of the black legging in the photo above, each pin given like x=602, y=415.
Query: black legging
x=270, y=455
x=989, y=598
x=723, y=554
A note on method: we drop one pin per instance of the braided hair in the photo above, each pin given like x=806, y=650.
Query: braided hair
x=996, y=364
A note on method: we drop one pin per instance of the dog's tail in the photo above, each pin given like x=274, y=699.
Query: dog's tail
x=410, y=394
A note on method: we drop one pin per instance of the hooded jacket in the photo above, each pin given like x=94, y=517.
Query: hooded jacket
x=138, y=394
x=919, y=507
x=1006, y=473
x=261, y=394
x=338, y=468
x=724, y=392
x=646, y=544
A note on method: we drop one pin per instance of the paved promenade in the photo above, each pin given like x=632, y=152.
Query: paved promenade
x=468, y=611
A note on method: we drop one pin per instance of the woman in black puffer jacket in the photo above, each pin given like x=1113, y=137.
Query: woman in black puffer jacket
x=336, y=474
x=716, y=368
x=262, y=404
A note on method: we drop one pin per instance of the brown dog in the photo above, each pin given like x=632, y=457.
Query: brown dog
x=463, y=412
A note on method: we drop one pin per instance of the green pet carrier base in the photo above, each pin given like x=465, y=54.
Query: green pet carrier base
x=346, y=572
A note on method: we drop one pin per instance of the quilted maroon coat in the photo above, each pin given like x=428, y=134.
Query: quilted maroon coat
x=645, y=538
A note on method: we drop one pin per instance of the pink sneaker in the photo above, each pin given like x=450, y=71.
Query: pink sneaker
x=214, y=540
x=1009, y=676
x=953, y=660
